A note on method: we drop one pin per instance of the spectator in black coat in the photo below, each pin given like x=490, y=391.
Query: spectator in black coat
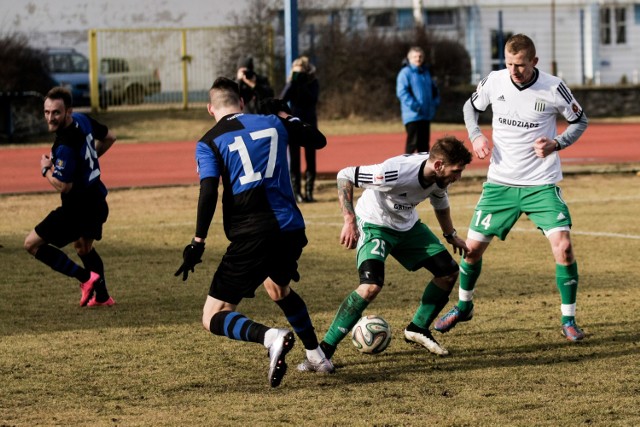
x=301, y=92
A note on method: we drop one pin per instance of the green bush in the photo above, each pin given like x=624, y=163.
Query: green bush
x=357, y=71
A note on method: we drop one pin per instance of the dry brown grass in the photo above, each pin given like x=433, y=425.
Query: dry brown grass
x=147, y=361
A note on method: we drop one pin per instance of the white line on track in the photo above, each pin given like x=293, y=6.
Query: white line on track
x=311, y=222
x=515, y=229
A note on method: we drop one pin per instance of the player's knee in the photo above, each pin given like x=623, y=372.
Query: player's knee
x=442, y=265
x=82, y=247
x=446, y=282
x=276, y=292
x=31, y=245
x=206, y=321
x=369, y=291
x=563, y=250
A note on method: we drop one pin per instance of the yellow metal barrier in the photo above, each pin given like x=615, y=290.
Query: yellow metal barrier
x=163, y=67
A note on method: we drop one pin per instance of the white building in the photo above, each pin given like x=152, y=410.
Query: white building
x=583, y=41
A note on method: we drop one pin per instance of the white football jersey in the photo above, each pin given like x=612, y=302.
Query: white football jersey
x=393, y=189
x=521, y=114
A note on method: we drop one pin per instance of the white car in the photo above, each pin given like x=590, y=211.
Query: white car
x=128, y=80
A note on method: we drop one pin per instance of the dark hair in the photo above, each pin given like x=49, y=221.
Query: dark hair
x=245, y=61
x=451, y=151
x=62, y=93
x=224, y=92
x=225, y=84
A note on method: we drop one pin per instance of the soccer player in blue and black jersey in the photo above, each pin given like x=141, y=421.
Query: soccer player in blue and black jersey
x=73, y=170
x=248, y=153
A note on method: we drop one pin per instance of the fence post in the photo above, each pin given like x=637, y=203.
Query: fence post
x=185, y=63
x=272, y=54
x=94, y=89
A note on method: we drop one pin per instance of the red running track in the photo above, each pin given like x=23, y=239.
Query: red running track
x=172, y=163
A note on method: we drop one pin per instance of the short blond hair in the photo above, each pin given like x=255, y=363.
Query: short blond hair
x=303, y=64
x=520, y=42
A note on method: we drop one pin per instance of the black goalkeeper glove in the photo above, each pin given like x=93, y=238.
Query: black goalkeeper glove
x=192, y=256
x=273, y=106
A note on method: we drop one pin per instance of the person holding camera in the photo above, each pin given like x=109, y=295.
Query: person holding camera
x=254, y=88
x=301, y=92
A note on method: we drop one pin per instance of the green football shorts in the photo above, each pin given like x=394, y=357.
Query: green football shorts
x=411, y=248
x=500, y=206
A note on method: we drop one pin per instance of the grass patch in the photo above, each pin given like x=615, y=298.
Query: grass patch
x=147, y=360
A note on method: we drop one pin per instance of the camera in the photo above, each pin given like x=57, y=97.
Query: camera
x=249, y=74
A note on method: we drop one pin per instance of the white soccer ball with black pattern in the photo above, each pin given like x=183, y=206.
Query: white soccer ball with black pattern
x=371, y=335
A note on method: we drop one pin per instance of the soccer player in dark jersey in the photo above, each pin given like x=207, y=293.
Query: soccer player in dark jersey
x=73, y=170
x=248, y=153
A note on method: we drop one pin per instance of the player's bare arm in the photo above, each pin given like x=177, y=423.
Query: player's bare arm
x=449, y=232
x=349, y=234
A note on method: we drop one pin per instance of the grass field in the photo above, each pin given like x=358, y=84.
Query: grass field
x=147, y=361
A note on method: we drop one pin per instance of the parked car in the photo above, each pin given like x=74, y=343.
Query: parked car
x=128, y=80
x=70, y=69
x=120, y=80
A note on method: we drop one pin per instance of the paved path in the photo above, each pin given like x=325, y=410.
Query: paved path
x=172, y=163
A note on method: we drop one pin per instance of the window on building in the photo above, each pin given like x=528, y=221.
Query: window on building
x=384, y=18
x=613, y=25
x=621, y=25
x=605, y=25
x=441, y=18
x=432, y=18
x=405, y=19
x=497, y=48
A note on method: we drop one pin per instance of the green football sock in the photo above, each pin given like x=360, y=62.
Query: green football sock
x=348, y=314
x=433, y=301
x=469, y=274
x=567, y=283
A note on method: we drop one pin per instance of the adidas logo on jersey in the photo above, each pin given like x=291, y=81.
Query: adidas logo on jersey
x=560, y=217
x=501, y=98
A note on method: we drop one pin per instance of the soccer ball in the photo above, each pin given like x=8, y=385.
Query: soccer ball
x=371, y=335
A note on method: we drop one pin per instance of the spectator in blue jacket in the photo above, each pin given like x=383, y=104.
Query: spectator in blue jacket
x=419, y=100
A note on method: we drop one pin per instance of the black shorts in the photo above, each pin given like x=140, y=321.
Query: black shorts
x=67, y=224
x=248, y=263
x=418, y=136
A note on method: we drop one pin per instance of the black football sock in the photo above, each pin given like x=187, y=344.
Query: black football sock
x=295, y=310
x=60, y=262
x=237, y=326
